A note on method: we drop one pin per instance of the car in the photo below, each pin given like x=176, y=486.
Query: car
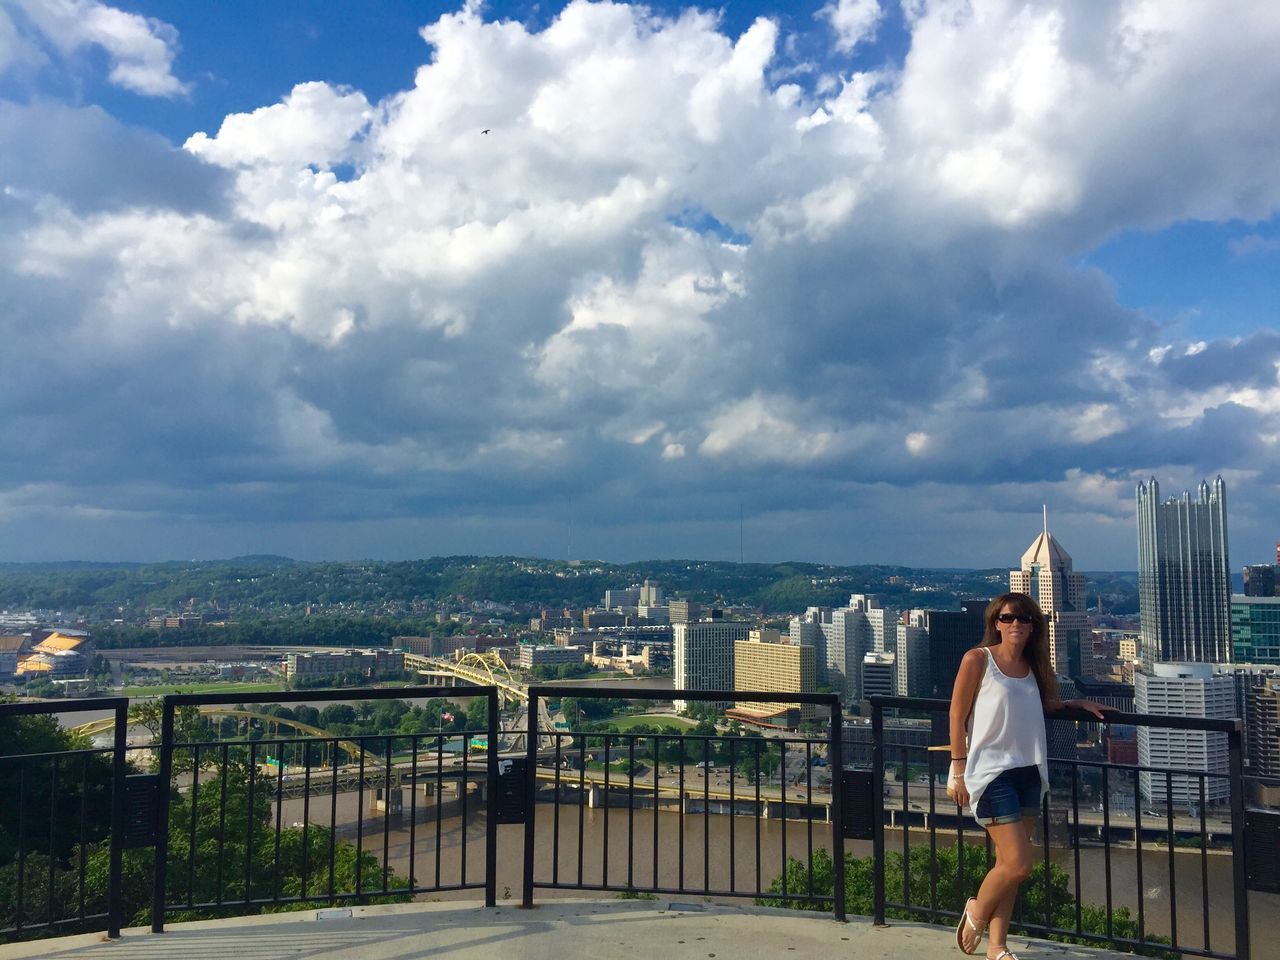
x=705, y=764
x=819, y=762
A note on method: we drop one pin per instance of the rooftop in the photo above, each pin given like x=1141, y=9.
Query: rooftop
x=583, y=929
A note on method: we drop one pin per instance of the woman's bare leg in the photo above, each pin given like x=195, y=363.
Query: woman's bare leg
x=999, y=888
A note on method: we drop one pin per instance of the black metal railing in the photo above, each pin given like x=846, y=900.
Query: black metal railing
x=664, y=844
x=61, y=813
x=1166, y=857
x=253, y=821
x=249, y=810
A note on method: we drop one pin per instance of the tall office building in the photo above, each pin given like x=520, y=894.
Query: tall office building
x=878, y=671
x=762, y=662
x=863, y=627
x=1047, y=575
x=1184, y=581
x=702, y=655
x=807, y=630
x=1183, y=690
x=952, y=633
x=1260, y=580
x=913, y=678
x=1255, y=629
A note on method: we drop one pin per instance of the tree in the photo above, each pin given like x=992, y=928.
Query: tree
x=1048, y=904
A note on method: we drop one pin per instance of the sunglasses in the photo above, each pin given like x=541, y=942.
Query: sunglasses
x=1011, y=617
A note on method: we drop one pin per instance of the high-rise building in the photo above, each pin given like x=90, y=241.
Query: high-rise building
x=913, y=655
x=1184, y=581
x=630, y=597
x=763, y=663
x=650, y=595
x=807, y=630
x=683, y=611
x=851, y=632
x=702, y=655
x=1262, y=720
x=1255, y=629
x=1260, y=580
x=1048, y=577
x=878, y=671
x=1183, y=690
x=952, y=633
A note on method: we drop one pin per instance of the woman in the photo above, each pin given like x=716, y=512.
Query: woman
x=1004, y=688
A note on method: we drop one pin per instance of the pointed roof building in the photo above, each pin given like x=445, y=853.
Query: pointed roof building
x=1047, y=574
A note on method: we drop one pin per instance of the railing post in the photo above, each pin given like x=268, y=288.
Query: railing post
x=835, y=760
x=877, y=805
x=162, y=817
x=530, y=786
x=1238, y=840
x=491, y=811
x=114, y=883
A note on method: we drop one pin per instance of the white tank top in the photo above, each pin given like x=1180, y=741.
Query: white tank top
x=1006, y=730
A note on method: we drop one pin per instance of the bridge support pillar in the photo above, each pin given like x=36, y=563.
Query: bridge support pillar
x=595, y=796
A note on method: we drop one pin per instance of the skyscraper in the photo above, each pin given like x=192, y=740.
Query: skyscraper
x=1184, y=581
x=1183, y=690
x=1047, y=575
x=702, y=655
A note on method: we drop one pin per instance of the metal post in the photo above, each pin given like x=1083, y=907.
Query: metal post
x=491, y=807
x=162, y=816
x=114, y=893
x=835, y=762
x=530, y=785
x=877, y=805
x=1239, y=874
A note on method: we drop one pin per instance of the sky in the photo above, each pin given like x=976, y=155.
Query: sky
x=848, y=281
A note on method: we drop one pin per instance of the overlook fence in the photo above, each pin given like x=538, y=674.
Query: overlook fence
x=241, y=817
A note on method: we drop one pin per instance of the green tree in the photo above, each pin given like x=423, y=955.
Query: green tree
x=940, y=874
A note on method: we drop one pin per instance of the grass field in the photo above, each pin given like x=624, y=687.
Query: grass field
x=161, y=689
x=662, y=721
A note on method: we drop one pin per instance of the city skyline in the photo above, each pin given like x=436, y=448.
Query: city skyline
x=846, y=281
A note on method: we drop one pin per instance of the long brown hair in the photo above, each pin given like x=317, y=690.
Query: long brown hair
x=1037, y=649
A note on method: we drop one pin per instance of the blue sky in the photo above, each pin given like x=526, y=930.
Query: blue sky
x=885, y=276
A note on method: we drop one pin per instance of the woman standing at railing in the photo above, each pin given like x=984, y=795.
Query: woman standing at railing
x=1001, y=694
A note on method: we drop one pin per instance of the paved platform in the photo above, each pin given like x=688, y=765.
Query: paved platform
x=556, y=930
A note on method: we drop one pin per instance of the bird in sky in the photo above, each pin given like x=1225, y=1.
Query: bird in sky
x=484, y=131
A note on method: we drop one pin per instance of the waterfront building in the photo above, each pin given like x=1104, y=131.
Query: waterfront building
x=702, y=655
x=1255, y=629
x=328, y=663
x=1184, y=581
x=1046, y=574
x=1183, y=690
x=531, y=656
x=762, y=662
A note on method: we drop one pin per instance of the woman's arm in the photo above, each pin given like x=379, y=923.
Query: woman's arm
x=962, y=693
x=1057, y=706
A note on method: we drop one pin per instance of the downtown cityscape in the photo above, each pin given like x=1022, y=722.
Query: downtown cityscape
x=460, y=454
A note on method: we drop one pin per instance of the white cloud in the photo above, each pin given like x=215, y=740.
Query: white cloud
x=664, y=273
x=141, y=49
x=854, y=21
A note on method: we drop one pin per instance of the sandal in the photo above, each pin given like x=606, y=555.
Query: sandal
x=966, y=922
x=1004, y=954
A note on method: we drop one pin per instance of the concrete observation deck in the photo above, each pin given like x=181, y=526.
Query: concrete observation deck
x=556, y=930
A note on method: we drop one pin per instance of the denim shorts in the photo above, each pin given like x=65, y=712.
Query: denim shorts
x=1012, y=795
